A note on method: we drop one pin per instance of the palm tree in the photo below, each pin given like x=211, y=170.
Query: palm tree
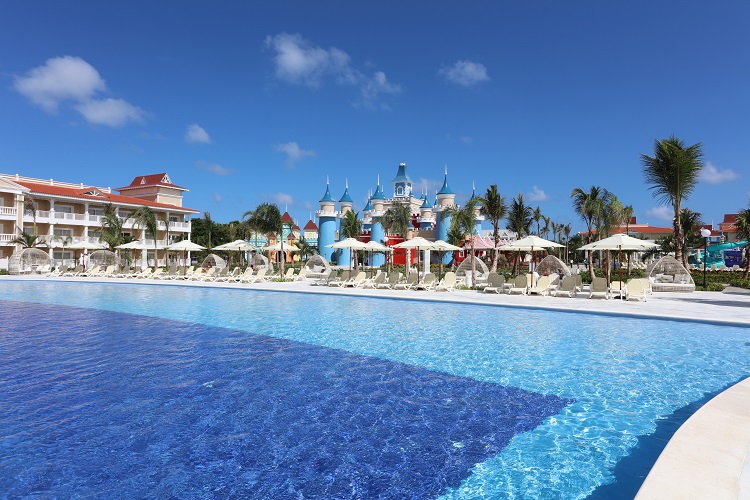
x=545, y=229
x=672, y=173
x=306, y=249
x=566, y=229
x=691, y=223
x=209, y=227
x=351, y=227
x=464, y=220
x=537, y=216
x=145, y=218
x=396, y=220
x=29, y=206
x=586, y=205
x=520, y=217
x=27, y=240
x=743, y=232
x=111, y=227
x=495, y=209
x=266, y=220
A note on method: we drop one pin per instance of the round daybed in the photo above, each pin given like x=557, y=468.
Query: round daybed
x=669, y=275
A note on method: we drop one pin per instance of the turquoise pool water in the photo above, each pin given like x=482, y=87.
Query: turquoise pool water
x=620, y=377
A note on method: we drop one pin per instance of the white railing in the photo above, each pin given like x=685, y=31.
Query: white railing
x=159, y=243
x=179, y=225
x=8, y=211
x=67, y=216
x=95, y=218
x=5, y=238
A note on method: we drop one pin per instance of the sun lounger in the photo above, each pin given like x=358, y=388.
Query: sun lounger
x=636, y=289
x=410, y=281
x=145, y=273
x=617, y=289
x=448, y=283
x=59, y=271
x=567, y=287
x=379, y=279
x=301, y=275
x=520, y=285
x=91, y=272
x=357, y=281
x=227, y=276
x=204, y=274
x=542, y=287
x=495, y=283
x=599, y=288
x=393, y=278
x=490, y=278
x=339, y=281
x=325, y=280
x=289, y=274
x=428, y=283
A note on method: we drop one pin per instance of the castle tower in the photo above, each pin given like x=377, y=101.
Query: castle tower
x=402, y=184
x=445, y=199
x=426, y=219
x=377, y=232
x=367, y=214
x=477, y=213
x=345, y=204
x=326, y=224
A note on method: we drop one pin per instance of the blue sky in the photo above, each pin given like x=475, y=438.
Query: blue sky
x=246, y=102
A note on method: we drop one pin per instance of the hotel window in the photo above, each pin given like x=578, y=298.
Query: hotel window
x=96, y=211
x=65, y=209
x=95, y=233
x=62, y=232
x=28, y=229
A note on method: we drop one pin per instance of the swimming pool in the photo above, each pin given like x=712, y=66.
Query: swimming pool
x=229, y=391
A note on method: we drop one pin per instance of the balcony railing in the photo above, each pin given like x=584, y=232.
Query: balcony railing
x=7, y=238
x=8, y=211
x=67, y=216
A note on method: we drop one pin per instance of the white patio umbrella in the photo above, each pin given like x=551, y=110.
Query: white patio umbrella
x=237, y=246
x=351, y=244
x=86, y=245
x=374, y=246
x=530, y=243
x=418, y=242
x=184, y=246
x=619, y=242
x=133, y=245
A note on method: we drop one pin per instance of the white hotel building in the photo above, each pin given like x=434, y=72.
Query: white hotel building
x=68, y=213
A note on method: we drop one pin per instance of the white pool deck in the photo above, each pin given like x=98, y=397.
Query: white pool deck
x=708, y=457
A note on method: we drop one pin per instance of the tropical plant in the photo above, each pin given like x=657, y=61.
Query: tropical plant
x=351, y=227
x=587, y=206
x=672, y=173
x=306, y=249
x=145, y=219
x=464, y=220
x=396, y=219
x=537, y=216
x=209, y=228
x=691, y=223
x=111, y=226
x=520, y=216
x=266, y=219
x=743, y=232
x=494, y=209
x=27, y=240
x=29, y=206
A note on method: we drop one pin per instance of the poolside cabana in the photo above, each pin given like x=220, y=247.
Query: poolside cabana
x=317, y=267
x=213, y=260
x=28, y=260
x=669, y=275
x=259, y=261
x=103, y=258
x=552, y=265
x=464, y=269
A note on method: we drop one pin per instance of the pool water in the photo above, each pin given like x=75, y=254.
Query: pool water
x=105, y=390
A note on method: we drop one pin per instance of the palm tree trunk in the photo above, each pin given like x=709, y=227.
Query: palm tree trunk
x=473, y=266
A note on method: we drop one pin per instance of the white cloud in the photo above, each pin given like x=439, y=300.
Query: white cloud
x=537, y=194
x=197, y=135
x=309, y=206
x=71, y=79
x=299, y=62
x=218, y=198
x=214, y=168
x=111, y=112
x=281, y=199
x=466, y=139
x=713, y=175
x=465, y=73
x=432, y=186
x=662, y=213
x=294, y=153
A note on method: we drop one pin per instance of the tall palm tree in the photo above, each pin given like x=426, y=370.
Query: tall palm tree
x=743, y=233
x=396, y=220
x=545, y=228
x=537, y=216
x=464, y=220
x=29, y=206
x=351, y=227
x=587, y=206
x=672, y=173
x=27, y=240
x=567, y=228
x=495, y=209
x=520, y=217
x=267, y=220
x=145, y=218
x=691, y=222
x=111, y=226
x=209, y=227
x=306, y=249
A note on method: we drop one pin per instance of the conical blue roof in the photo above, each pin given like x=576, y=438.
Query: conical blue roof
x=327, y=196
x=401, y=175
x=425, y=203
x=346, y=198
x=378, y=194
x=446, y=189
x=368, y=206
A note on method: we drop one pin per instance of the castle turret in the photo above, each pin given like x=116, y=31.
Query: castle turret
x=477, y=213
x=345, y=203
x=377, y=232
x=402, y=184
x=426, y=219
x=326, y=224
x=445, y=200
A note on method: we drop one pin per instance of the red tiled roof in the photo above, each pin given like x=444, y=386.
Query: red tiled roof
x=151, y=180
x=286, y=218
x=295, y=227
x=310, y=226
x=102, y=197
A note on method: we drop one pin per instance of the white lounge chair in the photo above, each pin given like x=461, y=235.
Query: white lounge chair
x=520, y=285
x=410, y=281
x=393, y=279
x=376, y=280
x=495, y=283
x=567, y=287
x=340, y=280
x=428, y=283
x=542, y=287
x=636, y=290
x=599, y=288
x=357, y=281
x=448, y=283
x=617, y=289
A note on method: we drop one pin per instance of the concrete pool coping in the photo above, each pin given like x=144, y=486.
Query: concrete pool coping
x=708, y=457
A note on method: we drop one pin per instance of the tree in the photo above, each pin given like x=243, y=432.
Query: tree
x=495, y=209
x=672, y=173
x=209, y=228
x=111, y=226
x=464, y=220
x=29, y=207
x=27, y=240
x=266, y=219
x=691, y=223
x=537, y=216
x=351, y=227
x=145, y=218
x=396, y=220
x=587, y=206
x=520, y=217
x=306, y=249
x=743, y=232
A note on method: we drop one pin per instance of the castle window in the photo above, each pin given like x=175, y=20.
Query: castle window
x=399, y=191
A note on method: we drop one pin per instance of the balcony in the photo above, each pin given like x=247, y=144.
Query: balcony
x=5, y=239
x=8, y=212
